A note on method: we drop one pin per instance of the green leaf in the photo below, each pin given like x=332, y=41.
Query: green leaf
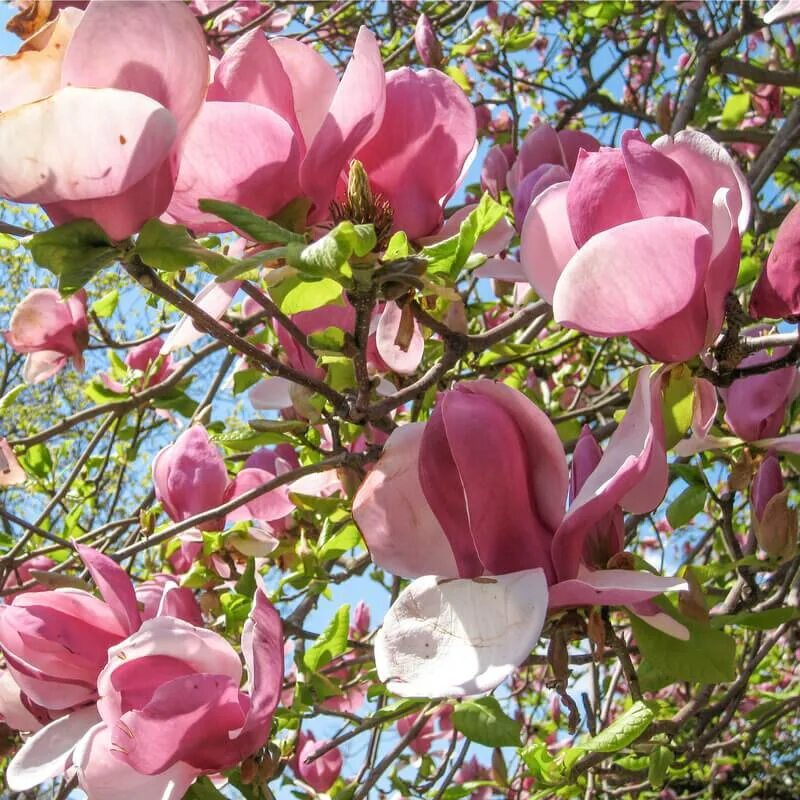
x=171, y=247
x=621, y=732
x=736, y=106
x=75, y=252
x=243, y=379
x=483, y=721
x=294, y=294
x=660, y=761
x=346, y=539
x=678, y=404
x=449, y=256
x=8, y=242
x=203, y=789
x=686, y=505
x=247, y=582
x=329, y=254
x=708, y=656
x=459, y=77
x=331, y=642
x=9, y=397
x=398, y=247
x=37, y=460
x=758, y=620
x=256, y=227
x=107, y=304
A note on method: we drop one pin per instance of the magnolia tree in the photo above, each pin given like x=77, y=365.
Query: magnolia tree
x=397, y=400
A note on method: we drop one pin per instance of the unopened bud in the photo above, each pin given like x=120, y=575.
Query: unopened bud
x=555, y=708
x=776, y=531
x=360, y=198
x=664, y=113
x=767, y=482
x=499, y=768
x=146, y=521
x=428, y=47
x=692, y=601
x=361, y=619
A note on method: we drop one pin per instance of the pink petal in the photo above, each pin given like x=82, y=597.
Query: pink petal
x=777, y=292
x=399, y=527
x=39, y=321
x=572, y=142
x=271, y=393
x=631, y=473
x=257, y=168
x=533, y=184
x=313, y=82
x=704, y=406
x=13, y=711
x=541, y=145
x=460, y=637
x=103, y=776
x=611, y=587
x=47, y=158
x=661, y=187
x=723, y=268
x=415, y=158
x=272, y=505
x=547, y=244
x=403, y=362
x=115, y=586
x=47, y=753
x=251, y=72
x=215, y=299
x=709, y=167
x=42, y=365
x=494, y=171
x=490, y=244
x=503, y=269
x=354, y=115
x=600, y=195
x=156, y=49
x=634, y=279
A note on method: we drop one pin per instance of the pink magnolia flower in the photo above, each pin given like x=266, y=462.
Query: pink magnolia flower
x=190, y=477
x=51, y=331
x=756, y=406
x=170, y=708
x=127, y=78
x=359, y=627
x=153, y=594
x=16, y=709
x=473, y=770
x=428, y=47
x=321, y=773
x=642, y=241
x=777, y=291
x=489, y=544
x=24, y=572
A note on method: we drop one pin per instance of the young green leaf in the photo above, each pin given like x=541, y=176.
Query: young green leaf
x=171, y=247
x=686, y=505
x=331, y=642
x=624, y=730
x=483, y=721
x=258, y=228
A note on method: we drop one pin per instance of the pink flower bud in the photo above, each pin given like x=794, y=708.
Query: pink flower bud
x=777, y=292
x=361, y=619
x=768, y=482
x=321, y=773
x=144, y=355
x=428, y=47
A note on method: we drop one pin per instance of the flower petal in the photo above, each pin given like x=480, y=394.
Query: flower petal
x=460, y=637
x=271, y=393
x=612, y=587
x=399, y=360
x=272, y=505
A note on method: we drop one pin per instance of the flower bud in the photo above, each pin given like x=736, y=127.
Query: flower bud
x=428, y=47
x=361, y=619
x=776, y=531
x=767, y=482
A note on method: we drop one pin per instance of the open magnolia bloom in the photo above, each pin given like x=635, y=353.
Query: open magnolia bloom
x=643, y=241
x=472, y=504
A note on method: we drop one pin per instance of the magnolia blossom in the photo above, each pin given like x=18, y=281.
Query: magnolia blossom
x=51, y=331
x=642, y=241
x=190, y=477
x=142, y=359
x=126, y=77
x=170, y=708
x=25, y=572
x=495, y=549
x=777, y=292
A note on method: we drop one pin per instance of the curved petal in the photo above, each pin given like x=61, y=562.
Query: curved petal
x=272, y=505
x=704, y=406
x=257, y=168
x=631, y=473
x=661, y=187
x=600, y=195
x=45, y=144
x=215, y=299
x=355, y=113
x=612, y=587
x=547, y=244
x=572, y=142
x=42, y=320
x=541, y=145
x=490, y=244
x=156, y=49
x=313, y=81
x=723, y=268
x=403, y=361
x=415, y=158
x=494, y=171
x=115, y=586
x=533, y=184
x=634, y=276
x=460, y=637
x=47, y=753
x=709, y=167
x=42, y=365
x=399, y=527
x=103, y=776
x=502, y=269
x=755, y=406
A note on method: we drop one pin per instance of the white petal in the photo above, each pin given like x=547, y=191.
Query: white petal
x=47, y=753
x=271, y=394
x=457, y=637
x=214, y=299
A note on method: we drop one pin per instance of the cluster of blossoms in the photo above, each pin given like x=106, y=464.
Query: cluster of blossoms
x=642, y=241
